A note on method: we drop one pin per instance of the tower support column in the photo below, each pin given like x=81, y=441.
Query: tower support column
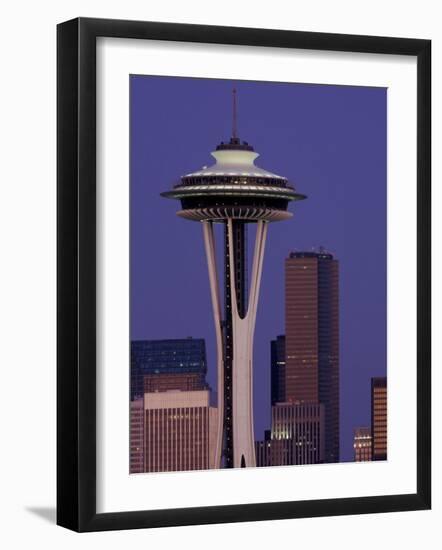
x=209, y=243
x=240, y=451
x=243, y=328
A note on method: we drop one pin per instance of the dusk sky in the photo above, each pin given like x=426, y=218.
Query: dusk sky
x=330, y=142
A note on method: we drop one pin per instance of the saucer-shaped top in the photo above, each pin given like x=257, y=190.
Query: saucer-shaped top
x=234, y=187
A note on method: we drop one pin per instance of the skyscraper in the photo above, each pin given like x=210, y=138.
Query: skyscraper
x=180, y=431
x=277, y=359
x=362, y=444
x=379, y=418
x=180, y=359
x=234, y=192
x=136, y=464
x=312, y=338
x=296, y=437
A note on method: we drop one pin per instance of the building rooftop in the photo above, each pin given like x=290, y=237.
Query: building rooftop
x=322, y=254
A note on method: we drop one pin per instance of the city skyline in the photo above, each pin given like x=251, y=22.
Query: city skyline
x=173, y=421
x=191, y=260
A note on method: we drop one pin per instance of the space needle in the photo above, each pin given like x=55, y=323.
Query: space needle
x=234, y=192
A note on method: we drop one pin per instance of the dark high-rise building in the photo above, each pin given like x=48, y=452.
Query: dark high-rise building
x=362, y=444
x=183, y=358
x=379, y=418
x=277, y=358
x=312, y=338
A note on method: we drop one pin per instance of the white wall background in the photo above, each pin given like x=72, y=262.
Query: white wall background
x=27, y=286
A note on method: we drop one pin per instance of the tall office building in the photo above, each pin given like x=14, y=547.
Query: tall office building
x=180, y=431
x=379, y=418
x=296, y=437
x=312, y=338
x=362, y=444
x=277, y=358
x=182, y=359
x=136, y=465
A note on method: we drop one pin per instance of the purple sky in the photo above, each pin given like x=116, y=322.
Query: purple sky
x=330, y=141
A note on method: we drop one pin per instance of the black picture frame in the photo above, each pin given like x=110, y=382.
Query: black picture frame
x=77, y=287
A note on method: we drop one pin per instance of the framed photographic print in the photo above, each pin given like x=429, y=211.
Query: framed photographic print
x=243, y=263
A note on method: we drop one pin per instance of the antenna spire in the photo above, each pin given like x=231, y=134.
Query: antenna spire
x=234, y=117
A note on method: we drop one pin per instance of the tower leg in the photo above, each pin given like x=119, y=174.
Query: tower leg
x=240, y=398
x=243, y=328
x=209, y=243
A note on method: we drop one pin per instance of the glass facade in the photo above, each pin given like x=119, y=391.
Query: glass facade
x=167, y=357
